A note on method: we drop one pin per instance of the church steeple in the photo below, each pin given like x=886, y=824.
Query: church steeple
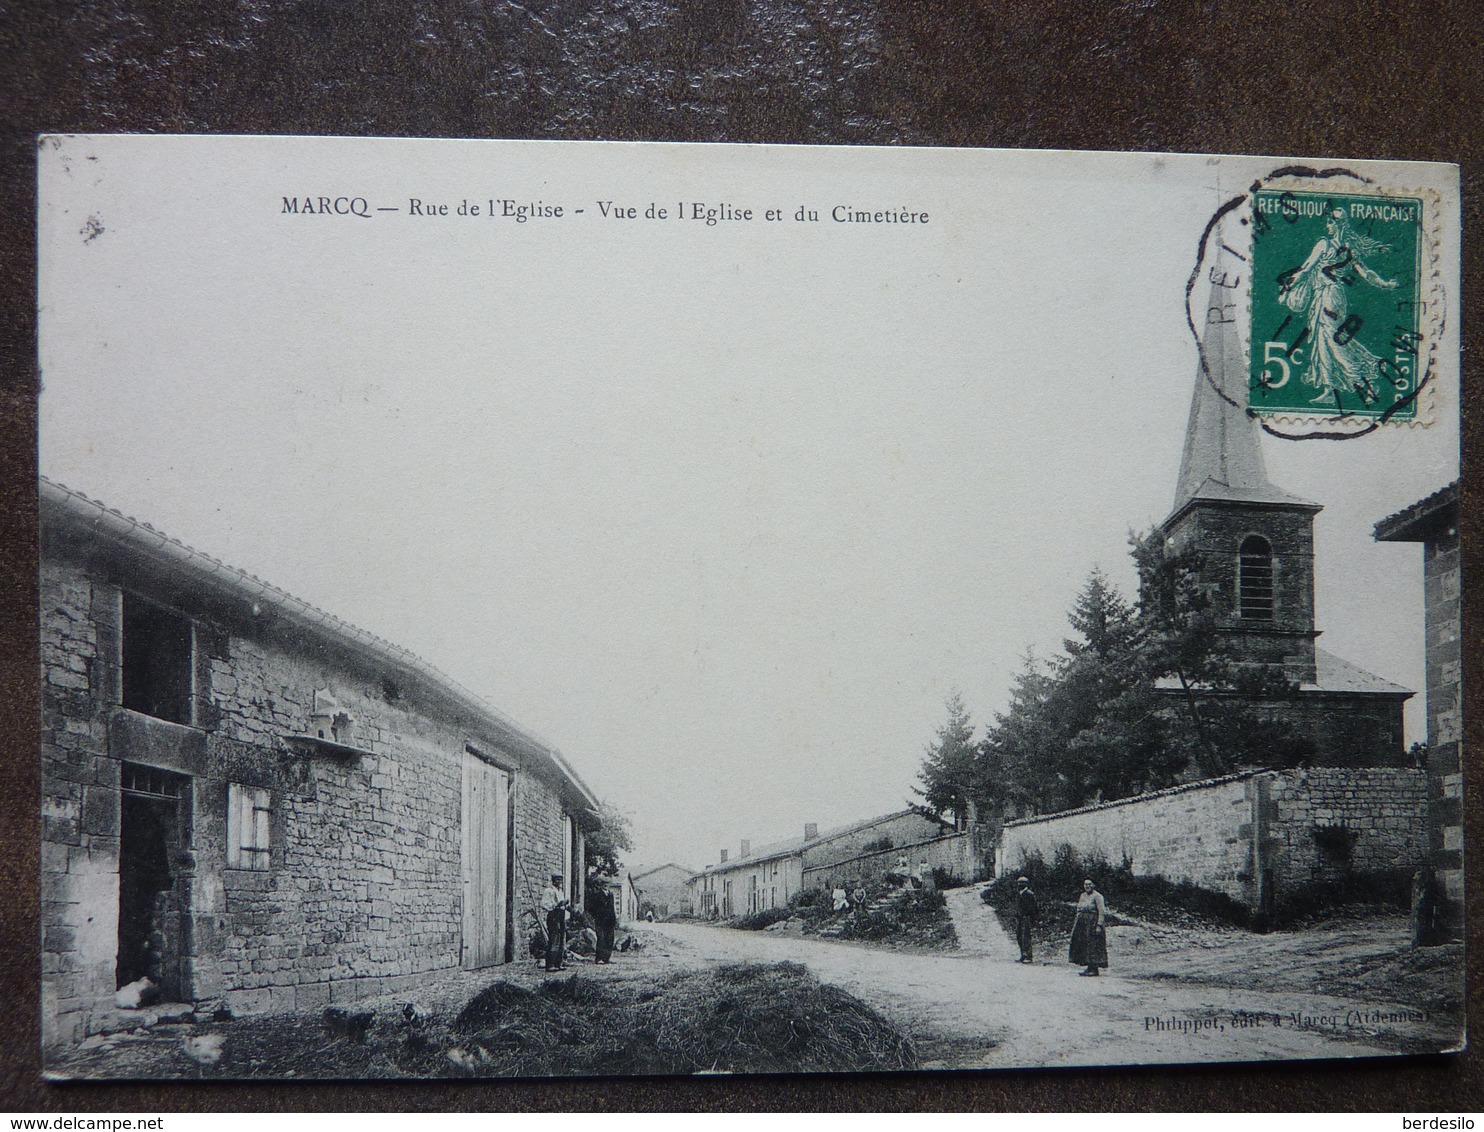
x=1222, y=458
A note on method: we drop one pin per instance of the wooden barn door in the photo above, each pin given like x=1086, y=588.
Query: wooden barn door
x=485, y=813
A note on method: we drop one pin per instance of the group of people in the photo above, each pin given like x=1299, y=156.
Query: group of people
x=1089, y=945
x=556, y=911
x=841, y=901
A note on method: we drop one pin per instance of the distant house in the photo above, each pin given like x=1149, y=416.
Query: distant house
x=665, y=890
x=1434, y=523
x=766, y=878
x=257, y=805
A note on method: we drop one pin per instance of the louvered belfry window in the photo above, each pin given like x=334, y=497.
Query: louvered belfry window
x=1255, y=579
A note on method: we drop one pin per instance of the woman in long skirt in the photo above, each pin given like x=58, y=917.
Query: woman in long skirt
x=1089, y=936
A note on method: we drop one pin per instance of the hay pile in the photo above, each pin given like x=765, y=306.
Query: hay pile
x=740, y=1018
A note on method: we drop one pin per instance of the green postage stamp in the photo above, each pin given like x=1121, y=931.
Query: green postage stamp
x=1336, y=304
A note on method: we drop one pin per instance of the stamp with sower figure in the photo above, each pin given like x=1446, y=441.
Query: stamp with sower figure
x=1338, y=304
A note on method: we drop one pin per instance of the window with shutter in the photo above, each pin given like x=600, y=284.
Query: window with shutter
x=248, y=815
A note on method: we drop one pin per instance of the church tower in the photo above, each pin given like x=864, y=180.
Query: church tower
x=1255, y=541
x=1255, y=545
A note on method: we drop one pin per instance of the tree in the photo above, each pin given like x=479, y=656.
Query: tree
x=1107, y=702
x=1019, y=753
x=606, y=844
x=950, y=772
x=1212, y=717
x=1101, y=617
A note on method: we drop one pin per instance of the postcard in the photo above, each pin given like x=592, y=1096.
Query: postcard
x=539, y=609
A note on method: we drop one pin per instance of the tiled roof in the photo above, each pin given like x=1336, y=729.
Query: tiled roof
x=1410, y=523
x=661, y=868
x=63, y=508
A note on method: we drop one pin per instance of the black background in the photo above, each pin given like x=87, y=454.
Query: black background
x=1356, y=79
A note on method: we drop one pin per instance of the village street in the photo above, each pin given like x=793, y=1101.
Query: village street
x=979, y=1008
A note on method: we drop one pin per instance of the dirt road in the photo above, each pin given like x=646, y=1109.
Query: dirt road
x=979, y=1008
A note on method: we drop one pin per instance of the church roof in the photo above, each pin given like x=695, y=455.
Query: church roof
x=1223, y=459
x=1331, y=674
x=1334, y=674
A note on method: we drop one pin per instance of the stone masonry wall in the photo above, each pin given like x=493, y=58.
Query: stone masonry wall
x=1383, y=811
x=900, y=829
x=1217, y=532
x=1203, y=832
x=955, y=854
x=1199, y=833
x=365, y=887
x=1443, y=587
x=538, y=853
x=79, y=807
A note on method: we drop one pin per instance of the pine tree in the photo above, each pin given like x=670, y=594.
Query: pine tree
x=1111, y=727
x=1020, y=753
x=950, y=774
x=1101, y=617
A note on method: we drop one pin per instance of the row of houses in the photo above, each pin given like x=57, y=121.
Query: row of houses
x=257, y=805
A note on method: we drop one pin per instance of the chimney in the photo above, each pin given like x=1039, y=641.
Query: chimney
x=746, y=848
x=723, y=856
x=811, y=830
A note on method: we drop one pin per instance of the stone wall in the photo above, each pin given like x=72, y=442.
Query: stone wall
x=79, y=810
x=667, y=890
x=1201, y=833
x=1216, y=532
x=538, y=852
x=959, y=854
x=365, y=878
x=364, y=890
x=1382, y=812
x=906, y=828
x=1308, y=826
x=1443, y=581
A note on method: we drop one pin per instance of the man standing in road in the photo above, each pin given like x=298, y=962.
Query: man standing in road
x=605, y=919
x=1026, y=911
x=554, y=904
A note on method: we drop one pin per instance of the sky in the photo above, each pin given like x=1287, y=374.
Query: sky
x=724, y=511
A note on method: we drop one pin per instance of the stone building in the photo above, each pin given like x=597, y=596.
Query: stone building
x=664, y=890
x=257, y=805
x=1255, y=546
x=1434, y=523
